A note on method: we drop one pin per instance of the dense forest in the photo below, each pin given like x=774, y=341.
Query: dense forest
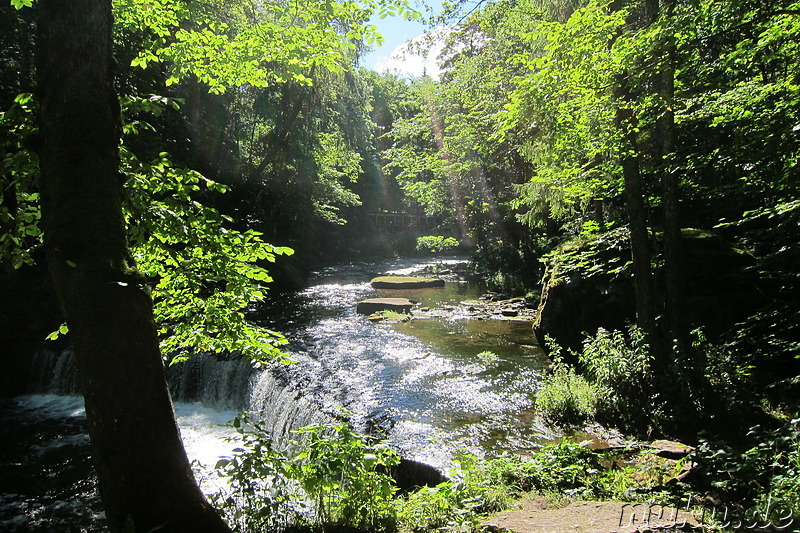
x=630, y=167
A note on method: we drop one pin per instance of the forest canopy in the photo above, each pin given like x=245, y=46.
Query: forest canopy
x=612, y=147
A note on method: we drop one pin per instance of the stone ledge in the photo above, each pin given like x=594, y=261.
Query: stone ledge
x=405, y=282
x=373, y=305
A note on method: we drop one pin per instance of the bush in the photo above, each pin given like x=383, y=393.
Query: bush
x=336, y=480
x=762, y=482
x=261, y=494
x=616, y=385
x=345, y=477
x=566, y=398
x=436, y=244
x=622, y=366
x=475, y=488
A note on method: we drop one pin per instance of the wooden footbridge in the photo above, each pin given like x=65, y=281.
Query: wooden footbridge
x=396, y=219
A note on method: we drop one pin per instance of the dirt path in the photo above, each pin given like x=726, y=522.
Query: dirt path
x=538, y=515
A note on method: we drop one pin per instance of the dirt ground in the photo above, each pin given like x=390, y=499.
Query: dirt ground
x=540, y=515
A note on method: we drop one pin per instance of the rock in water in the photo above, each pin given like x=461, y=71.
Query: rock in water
x=373, y=305
x=405, y=282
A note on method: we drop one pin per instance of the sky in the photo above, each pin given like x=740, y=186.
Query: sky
x=390, y=55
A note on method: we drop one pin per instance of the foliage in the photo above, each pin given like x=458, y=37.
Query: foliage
x=337, y=166
x=480, y=486
x=260, y=494
x=487, y=357
x=622, y=367
x=277, y=43
x=728, y=373
x=606, y=255
x=203, y=273
x=345, y=476
x=566, y=398
x=763, y=480
x=475, y=488
x=615, y=384
x=572, y=469
x=566, y=97
x=414, y=158
x=19, y=211
x=738, y=74
x=509, y=268
x=436, y=244
x=334, y=479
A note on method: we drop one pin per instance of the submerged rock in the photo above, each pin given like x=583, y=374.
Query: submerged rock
x=405, y=282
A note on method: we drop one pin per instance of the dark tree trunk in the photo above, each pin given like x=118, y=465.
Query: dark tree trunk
x=674, y=323
x=145, y=479
x=627, y=124
x=637, y=215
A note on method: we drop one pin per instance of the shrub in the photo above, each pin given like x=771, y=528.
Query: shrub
x=336, y=480
x=344, y=475
x=436, y=244
x=567, y=398
x=621, y=365
x=261, y=494
x=476, y=487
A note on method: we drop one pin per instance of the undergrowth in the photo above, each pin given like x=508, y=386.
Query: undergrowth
x=754, y=477
x=338, y=480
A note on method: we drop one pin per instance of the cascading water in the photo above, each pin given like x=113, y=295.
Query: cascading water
x=419, y=382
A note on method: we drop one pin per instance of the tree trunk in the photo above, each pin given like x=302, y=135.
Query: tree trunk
x=627, y=125
x=637, y=215
x=146, y=482
x=674, y=323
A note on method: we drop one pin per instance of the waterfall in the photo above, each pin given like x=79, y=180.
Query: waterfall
x=55, y=373
x=219, y=383
x=283, y=407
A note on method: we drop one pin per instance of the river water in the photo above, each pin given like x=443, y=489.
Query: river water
x=420, y=382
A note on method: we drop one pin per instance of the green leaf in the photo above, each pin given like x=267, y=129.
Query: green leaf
x=19, y=4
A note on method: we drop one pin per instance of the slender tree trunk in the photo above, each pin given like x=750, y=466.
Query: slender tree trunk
x=146, y=482
x=674, y=323
x=637, y=215
x=627, y=124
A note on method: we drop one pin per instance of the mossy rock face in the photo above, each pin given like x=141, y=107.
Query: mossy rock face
x=405, y=282
x=374, y=305
x=589, y=285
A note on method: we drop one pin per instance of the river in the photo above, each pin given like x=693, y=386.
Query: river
x=422, y=382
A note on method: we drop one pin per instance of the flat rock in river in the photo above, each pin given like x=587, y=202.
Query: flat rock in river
x=373, y=305
x=405, y=282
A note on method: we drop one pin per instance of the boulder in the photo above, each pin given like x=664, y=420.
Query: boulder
x=374, y=305
x=670, y=449
x=589, y=285
x=405, y=282
x=409, y=474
